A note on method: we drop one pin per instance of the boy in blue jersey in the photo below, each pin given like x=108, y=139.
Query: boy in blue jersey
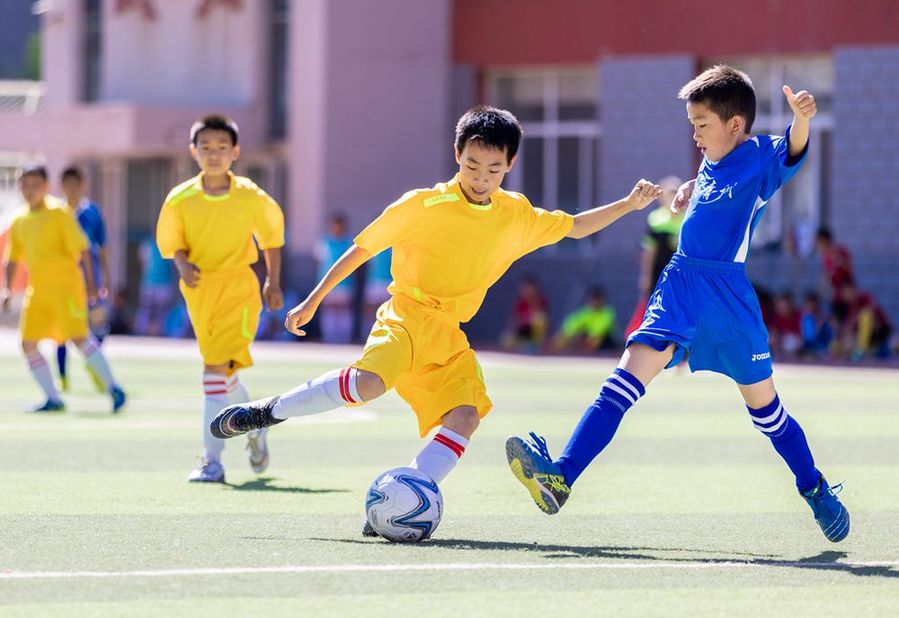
x=703, y=306
x=91, y=221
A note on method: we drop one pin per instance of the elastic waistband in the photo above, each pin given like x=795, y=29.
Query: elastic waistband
x=716, y=266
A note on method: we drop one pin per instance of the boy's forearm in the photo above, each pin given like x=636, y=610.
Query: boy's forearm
x=88, y=262
x=353, y=258
x=10, y=274
x=799, y=131
x=104, y=267
x=273, y=265
x=591, y=221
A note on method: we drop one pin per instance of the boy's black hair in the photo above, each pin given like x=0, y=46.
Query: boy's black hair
x=72, y=172
x=824, y=234
x=490, y=127
x=33, y=169
x=725, y=90
x=216, y=122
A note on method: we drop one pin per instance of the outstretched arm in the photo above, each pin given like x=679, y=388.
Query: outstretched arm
x=300, y=315
x=804, y=109
x=591, y=221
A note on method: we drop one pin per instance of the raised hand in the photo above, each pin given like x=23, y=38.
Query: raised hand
x=802, y=103
x=643, y=193
x=682, y=197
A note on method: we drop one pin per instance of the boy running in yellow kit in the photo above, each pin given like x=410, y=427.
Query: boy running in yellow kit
x=207, y=226
x=450, y=244
x=46, y=238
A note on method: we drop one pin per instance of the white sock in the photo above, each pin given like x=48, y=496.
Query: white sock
x=96, y=361
x=41, y=372
x=332, y=390
x=216, y=389
x=237, y=392
x=440, y=455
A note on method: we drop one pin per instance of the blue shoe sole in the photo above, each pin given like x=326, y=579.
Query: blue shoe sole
x=520, y=463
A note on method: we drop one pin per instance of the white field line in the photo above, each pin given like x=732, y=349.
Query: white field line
x=89, y=425
x=394, y=568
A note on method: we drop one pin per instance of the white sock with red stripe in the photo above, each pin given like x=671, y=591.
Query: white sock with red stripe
x=237, y=392
x=440, y=455
x=332, y=390
x=41, y=372
x=215, y=388
x=96, y=361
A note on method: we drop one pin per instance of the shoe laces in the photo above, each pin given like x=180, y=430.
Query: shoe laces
x=539, y=443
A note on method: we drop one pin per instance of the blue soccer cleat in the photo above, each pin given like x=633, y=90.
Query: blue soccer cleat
x=208, y=472
x=829, y=512
x=243, y=417
x=534, y=468
x=118, y=398
x=50, y=406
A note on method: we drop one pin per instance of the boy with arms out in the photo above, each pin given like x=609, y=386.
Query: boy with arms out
x=704, y=304
x=450, y=244
x=46, y=238
x=91, y=221
x=207, y=225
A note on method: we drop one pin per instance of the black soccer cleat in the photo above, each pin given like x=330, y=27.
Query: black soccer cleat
x=368, y=531
x=243, y=417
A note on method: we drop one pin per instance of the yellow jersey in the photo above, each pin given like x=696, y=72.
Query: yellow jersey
x=447, y=252
x=49, y=242
x=217, y=232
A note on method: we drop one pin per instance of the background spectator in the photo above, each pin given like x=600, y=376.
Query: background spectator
x=816, y=326
x=335, y=313
x=528, y=326
x=156, y=289
x=785, y=331
x=589, y=328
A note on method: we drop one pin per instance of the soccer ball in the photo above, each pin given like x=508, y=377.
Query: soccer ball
x=404, y=505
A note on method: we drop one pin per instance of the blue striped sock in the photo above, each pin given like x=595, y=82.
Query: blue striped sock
x=788, y=440
x=599, y=422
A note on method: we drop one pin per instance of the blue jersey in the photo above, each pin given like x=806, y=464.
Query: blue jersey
x=730, y=197
x=91, y=221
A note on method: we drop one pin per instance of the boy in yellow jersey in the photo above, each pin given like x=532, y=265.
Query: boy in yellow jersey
x=450, y=244
x=207, y=226
x=46, y=238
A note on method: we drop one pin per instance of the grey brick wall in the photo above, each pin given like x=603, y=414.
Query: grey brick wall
x=645, y=132
x=865, y=166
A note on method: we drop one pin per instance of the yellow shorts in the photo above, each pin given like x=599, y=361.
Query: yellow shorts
x=425, y=356
x=60, y=316
x=224, y=311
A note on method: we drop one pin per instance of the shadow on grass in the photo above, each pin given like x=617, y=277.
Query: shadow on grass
x=825, y=561
x=264, y=483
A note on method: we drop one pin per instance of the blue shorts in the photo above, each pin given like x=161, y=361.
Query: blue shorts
x=709, y=310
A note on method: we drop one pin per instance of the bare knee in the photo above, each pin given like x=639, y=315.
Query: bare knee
x=29, y=347
x=464, y=420
x=369, y=385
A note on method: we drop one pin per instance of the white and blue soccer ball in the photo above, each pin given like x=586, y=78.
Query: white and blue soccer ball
x=404, y=505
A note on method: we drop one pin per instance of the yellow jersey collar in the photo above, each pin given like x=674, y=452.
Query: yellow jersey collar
x=198, y=185
x=456, y=187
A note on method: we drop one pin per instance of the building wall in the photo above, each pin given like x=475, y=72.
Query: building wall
x=369, y=108
x=865, y=179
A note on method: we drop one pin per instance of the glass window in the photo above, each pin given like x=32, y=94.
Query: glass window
x=92, y=45
x=277, y=66
x=557, y=108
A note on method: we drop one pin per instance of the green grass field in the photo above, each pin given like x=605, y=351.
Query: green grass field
x=689, y=512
